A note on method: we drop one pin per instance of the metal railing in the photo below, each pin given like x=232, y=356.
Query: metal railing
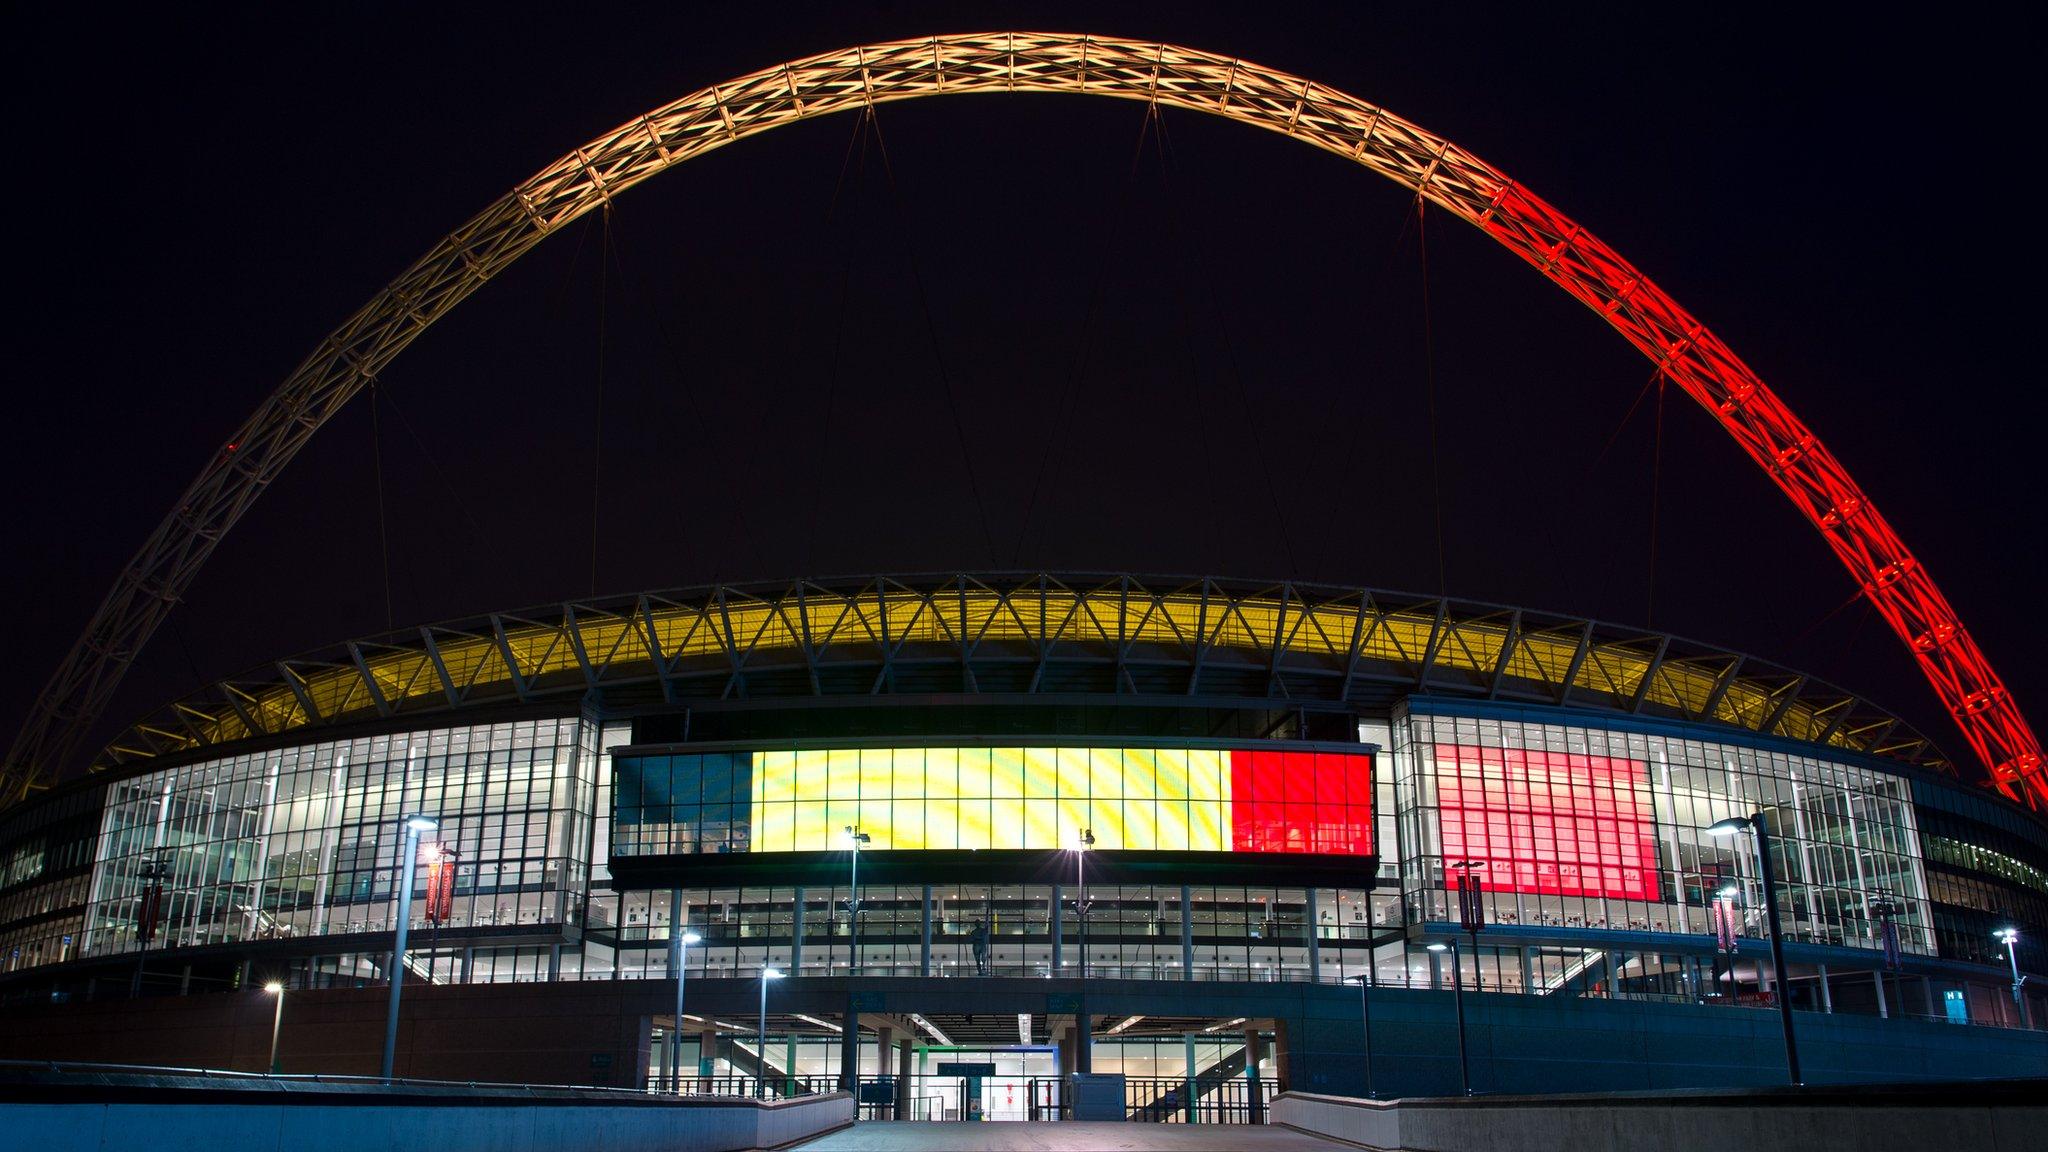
x=768, y=1087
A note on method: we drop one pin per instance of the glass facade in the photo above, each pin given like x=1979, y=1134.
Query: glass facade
x=1581, y=827
x=1584, y=831
x=306, y=841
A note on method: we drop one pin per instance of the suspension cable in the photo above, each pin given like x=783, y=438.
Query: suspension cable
x=932, y=335
x=1436, y=483
x=597, y=448
x=383, y=534
x=1056, y=444
x=1656, y=484
x=855, y=160
x=1230, y=358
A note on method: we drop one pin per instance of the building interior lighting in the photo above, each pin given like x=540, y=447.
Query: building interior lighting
x=1126, y=1022
x=932, y=1028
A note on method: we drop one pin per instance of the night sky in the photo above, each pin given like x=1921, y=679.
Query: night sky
x=198, y=198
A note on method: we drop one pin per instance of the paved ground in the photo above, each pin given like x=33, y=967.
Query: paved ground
x=1065, y=1136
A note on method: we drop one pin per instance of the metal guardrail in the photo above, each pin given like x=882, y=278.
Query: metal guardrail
x=90, y=1068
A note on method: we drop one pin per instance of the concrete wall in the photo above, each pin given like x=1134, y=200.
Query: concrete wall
x=597, y=1033
x=1979, y=1118
x=302, y=1118
x=1521, y=1044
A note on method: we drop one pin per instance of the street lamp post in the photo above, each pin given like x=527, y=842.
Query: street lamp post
x=2010, y=937
x=1458, y=998
x=1084, y=1038
x=761, y=1035
x=276, y=1022
x=855, y=838
x=680, y=958
x=1757, y=823
x=1365, y=1008
x=408, y=862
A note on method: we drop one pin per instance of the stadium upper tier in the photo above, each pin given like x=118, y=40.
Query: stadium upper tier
x=1020, y=633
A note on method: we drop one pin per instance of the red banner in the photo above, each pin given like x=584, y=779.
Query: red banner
x=441, y=889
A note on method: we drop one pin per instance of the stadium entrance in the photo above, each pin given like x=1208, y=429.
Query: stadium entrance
x=978, y=1067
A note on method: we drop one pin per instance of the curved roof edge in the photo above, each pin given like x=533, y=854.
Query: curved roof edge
x=1021, y=632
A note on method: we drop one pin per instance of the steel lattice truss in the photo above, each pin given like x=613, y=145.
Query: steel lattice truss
x=1440, y=172
x=1020, y=634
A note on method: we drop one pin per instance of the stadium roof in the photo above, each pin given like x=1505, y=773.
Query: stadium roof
x=1019, y=633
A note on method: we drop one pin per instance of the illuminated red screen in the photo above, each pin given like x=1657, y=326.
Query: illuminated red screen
x=1560, y=823
x=1289, y=801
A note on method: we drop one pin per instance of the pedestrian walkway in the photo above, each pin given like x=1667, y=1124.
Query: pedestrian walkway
x=1065, y=1136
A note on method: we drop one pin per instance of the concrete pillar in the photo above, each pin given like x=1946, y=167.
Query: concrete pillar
x=1436, y=972
x=1883, y=1009
x=903, y=1080
x=1282, y=1070
x=707, y=1058
x=849, y=1047
x=1254, y=1050
x=469, y=959
x=554, y=963
x=242, y=981
x=1827, y=997
x=185, y=981
x=885, y=1039
x=1188, y=1047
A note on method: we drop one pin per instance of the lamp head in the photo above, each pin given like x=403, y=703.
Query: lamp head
x=274, y=988
x=771, y=973
x=2008, y=935
x=1729, y=892
x=1728, y=827
x=422, y=823
x=690, y=937
x=1439, y=946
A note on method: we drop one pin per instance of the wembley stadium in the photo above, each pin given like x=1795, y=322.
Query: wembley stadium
x=943, y=839
x=1242, y=797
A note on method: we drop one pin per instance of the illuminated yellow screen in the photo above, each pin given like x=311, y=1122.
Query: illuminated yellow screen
x=981, y=798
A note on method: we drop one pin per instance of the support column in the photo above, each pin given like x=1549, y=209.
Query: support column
x=185, y=982
x=1827, y=996
x=1927, y=996
x=903, y=1074
x=1883, y=1009
x=849, y=1047
x=1188, y=1046
x=1282, y=1058
x=885, y=1039
x=1059, y=951
x=469, y=961
x=707, y=1058
x=1315, y=958
x=1254, y=1050
x=796, y=935
x=924, y=946
x=554, y=963
x=1187, y=933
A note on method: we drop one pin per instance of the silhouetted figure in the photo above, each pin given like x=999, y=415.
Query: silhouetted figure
x=981, y=948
